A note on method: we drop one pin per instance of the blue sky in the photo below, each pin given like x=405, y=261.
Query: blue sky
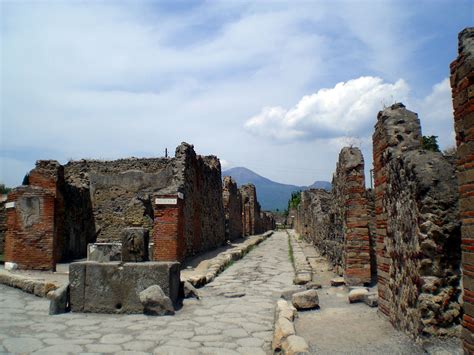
x=277, y=87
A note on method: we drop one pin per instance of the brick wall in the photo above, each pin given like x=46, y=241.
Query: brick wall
x=350, y=207
x=462, y=84
x=232, y=208
x=337, y=222
x=3, y=222
x=31, y=237
x=417, y=228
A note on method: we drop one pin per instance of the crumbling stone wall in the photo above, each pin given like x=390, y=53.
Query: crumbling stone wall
x=232, y=208
x=350, y=210
x=417, y=228
x=338, y=222
x=313, y=221
x=462, y=84
x=251, y=210
x=268, y=221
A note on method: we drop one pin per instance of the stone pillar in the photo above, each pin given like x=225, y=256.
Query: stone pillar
x=396, y=130
x=232, y=208
x=462, y=84
x=168, y=228
x=31, y=236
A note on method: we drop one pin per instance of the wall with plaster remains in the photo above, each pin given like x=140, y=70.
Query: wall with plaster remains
x=462, y=84
x=251, y=210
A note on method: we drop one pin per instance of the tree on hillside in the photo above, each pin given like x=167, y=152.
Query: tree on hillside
x=4, y=190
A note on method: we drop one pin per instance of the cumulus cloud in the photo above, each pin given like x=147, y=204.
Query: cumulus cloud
x=347, y=109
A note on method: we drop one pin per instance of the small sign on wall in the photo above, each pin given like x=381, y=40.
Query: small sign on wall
x=166, y=201
x=10, y=205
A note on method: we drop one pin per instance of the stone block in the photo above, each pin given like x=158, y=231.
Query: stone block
x=59, y=300
x=357, y=295
x=155, y=302
x=135, y=244
x=283, y=328
x=305, y=300
x=114, y=287
x=338, y=281
x=104, y=252
x=294, y=344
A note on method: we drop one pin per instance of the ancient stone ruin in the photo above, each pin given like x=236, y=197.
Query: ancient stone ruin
x=82, y=208
x=411, y=224
x=251, y=218
x=462, y=84
x=337, y=221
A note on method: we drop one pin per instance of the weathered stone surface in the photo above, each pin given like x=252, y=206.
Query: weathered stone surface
x=232, y=208
x=155, y=302
x=371, y=299
x=283, y=329
x=358, y=295
x=285, y=310
x=135, y=244
x=286, y=294
x=295, y=345
x=305, y=300
x=104, y=252
x=114, y=287
x=338, y=281
x=190, y=291
x=59, y=300
x=313, y=286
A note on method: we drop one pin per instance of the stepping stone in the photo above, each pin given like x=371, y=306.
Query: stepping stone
x=371, y=299
x=338, y=281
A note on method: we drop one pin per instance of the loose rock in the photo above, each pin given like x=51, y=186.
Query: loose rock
x=59, y=300
x=155, y=302
x=305, y=300
x=357, y=295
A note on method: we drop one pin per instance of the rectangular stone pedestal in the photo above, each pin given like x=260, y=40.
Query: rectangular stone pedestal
x=114, y=287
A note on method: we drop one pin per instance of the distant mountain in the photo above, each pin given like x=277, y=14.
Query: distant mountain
x=271, y=195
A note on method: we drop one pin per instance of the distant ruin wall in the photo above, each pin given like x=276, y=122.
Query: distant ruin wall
x=313, y=222
x=462, y=84
x=232, y=208
x=251, y=210
x=417, y=228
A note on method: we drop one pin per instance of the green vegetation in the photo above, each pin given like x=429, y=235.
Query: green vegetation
x=295, y=200
x=26, y=180
x=430, y=143
x=290, y=251
x=4, y=190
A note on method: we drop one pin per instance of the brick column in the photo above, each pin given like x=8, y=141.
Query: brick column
x=462, y=84
x=31, y=236
x=168, y=228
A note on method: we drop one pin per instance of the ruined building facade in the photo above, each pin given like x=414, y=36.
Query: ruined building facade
x=251, y=219
x=64, y=208
x=462, y=84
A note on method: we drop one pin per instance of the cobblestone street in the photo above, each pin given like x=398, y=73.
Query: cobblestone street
x=235, y=315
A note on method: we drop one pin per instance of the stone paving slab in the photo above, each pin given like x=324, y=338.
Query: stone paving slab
x=234, y=316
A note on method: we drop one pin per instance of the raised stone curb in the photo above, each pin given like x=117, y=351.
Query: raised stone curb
x=303, y=270
x=284, y=334
x=222, y=260
x=37, y=287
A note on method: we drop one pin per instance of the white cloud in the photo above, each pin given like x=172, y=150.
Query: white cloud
x=436, y=114
x=347, y=109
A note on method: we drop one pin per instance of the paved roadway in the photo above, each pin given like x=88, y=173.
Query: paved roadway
x=235, y=316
